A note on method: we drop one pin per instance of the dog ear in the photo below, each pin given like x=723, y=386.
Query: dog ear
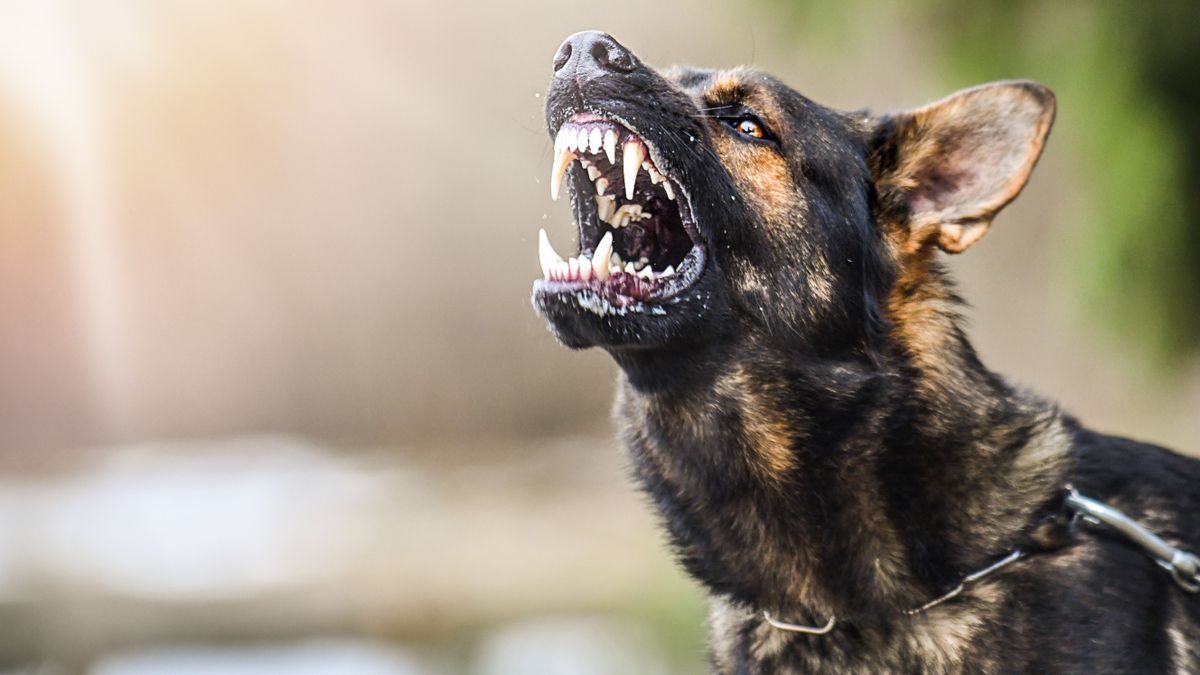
x=945, y=170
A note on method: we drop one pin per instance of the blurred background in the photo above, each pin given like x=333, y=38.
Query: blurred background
x=273, y=397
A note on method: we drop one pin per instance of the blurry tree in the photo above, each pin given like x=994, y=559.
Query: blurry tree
x=1127, y=74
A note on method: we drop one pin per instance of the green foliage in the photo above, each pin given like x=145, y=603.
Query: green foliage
x=1129, y=100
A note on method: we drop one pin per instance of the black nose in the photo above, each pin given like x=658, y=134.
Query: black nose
x=592, y=54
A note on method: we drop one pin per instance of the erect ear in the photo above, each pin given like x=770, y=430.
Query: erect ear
x=944, y=171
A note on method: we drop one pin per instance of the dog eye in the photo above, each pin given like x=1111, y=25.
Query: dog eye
x=749, y=126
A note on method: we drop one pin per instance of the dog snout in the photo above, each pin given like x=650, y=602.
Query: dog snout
x=592, y=54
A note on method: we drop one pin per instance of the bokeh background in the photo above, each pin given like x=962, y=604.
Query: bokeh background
x=273, y=399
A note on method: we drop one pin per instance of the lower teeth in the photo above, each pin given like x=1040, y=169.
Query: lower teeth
x=582, y=268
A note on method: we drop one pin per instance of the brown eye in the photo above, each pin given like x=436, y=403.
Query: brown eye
x=751, y=128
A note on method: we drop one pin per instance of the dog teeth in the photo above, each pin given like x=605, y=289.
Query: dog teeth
x=635, y=154
x=626, y=214
x=602, y=255
x=655, y=176
x=606, y=206
x=603, y=262
x=583, y=143
x=562, y=160
x=546, y=254
x=575, y=142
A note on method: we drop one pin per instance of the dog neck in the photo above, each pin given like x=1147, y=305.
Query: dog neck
x=812, y=487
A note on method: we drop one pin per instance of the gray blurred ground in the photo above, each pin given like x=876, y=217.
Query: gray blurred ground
x=273, y=393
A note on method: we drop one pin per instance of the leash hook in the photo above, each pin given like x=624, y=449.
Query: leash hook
x=1183, y=565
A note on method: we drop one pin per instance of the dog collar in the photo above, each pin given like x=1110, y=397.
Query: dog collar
x=1183, y=565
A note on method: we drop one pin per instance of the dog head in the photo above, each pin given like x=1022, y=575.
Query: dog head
x=723, y=205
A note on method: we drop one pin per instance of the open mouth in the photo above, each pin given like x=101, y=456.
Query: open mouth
x=637, y=238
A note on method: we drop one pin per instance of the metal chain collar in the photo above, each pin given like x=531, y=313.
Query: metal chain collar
x=1183, y=565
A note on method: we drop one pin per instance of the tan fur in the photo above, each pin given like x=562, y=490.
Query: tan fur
x=726, y=87
x=921, y=311
x=944, y=633
x=1185, y=639
x=762, y=175
x=1017, y=123
x=768, y=433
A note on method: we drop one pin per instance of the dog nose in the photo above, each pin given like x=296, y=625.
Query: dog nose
x=591, y=54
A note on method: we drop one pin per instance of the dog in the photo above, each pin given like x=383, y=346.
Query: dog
x=854, y=489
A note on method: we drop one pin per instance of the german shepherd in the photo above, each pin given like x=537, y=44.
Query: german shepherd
x=799, y=397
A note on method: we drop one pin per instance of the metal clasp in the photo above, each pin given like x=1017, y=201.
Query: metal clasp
x=1183, y=565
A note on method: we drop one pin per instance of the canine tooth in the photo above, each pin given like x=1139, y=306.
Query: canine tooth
x=635, y=154
x=581, y=141
x=593, y=172
x=610, y=145
x=556, y=172
x=594, y=141
x=670, y=191
x=548, y=257
x=601, y=186
x=601, y=256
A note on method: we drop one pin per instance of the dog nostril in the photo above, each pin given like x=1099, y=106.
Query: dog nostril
x=590, y=54
x=612, y=56
x=563, y=55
